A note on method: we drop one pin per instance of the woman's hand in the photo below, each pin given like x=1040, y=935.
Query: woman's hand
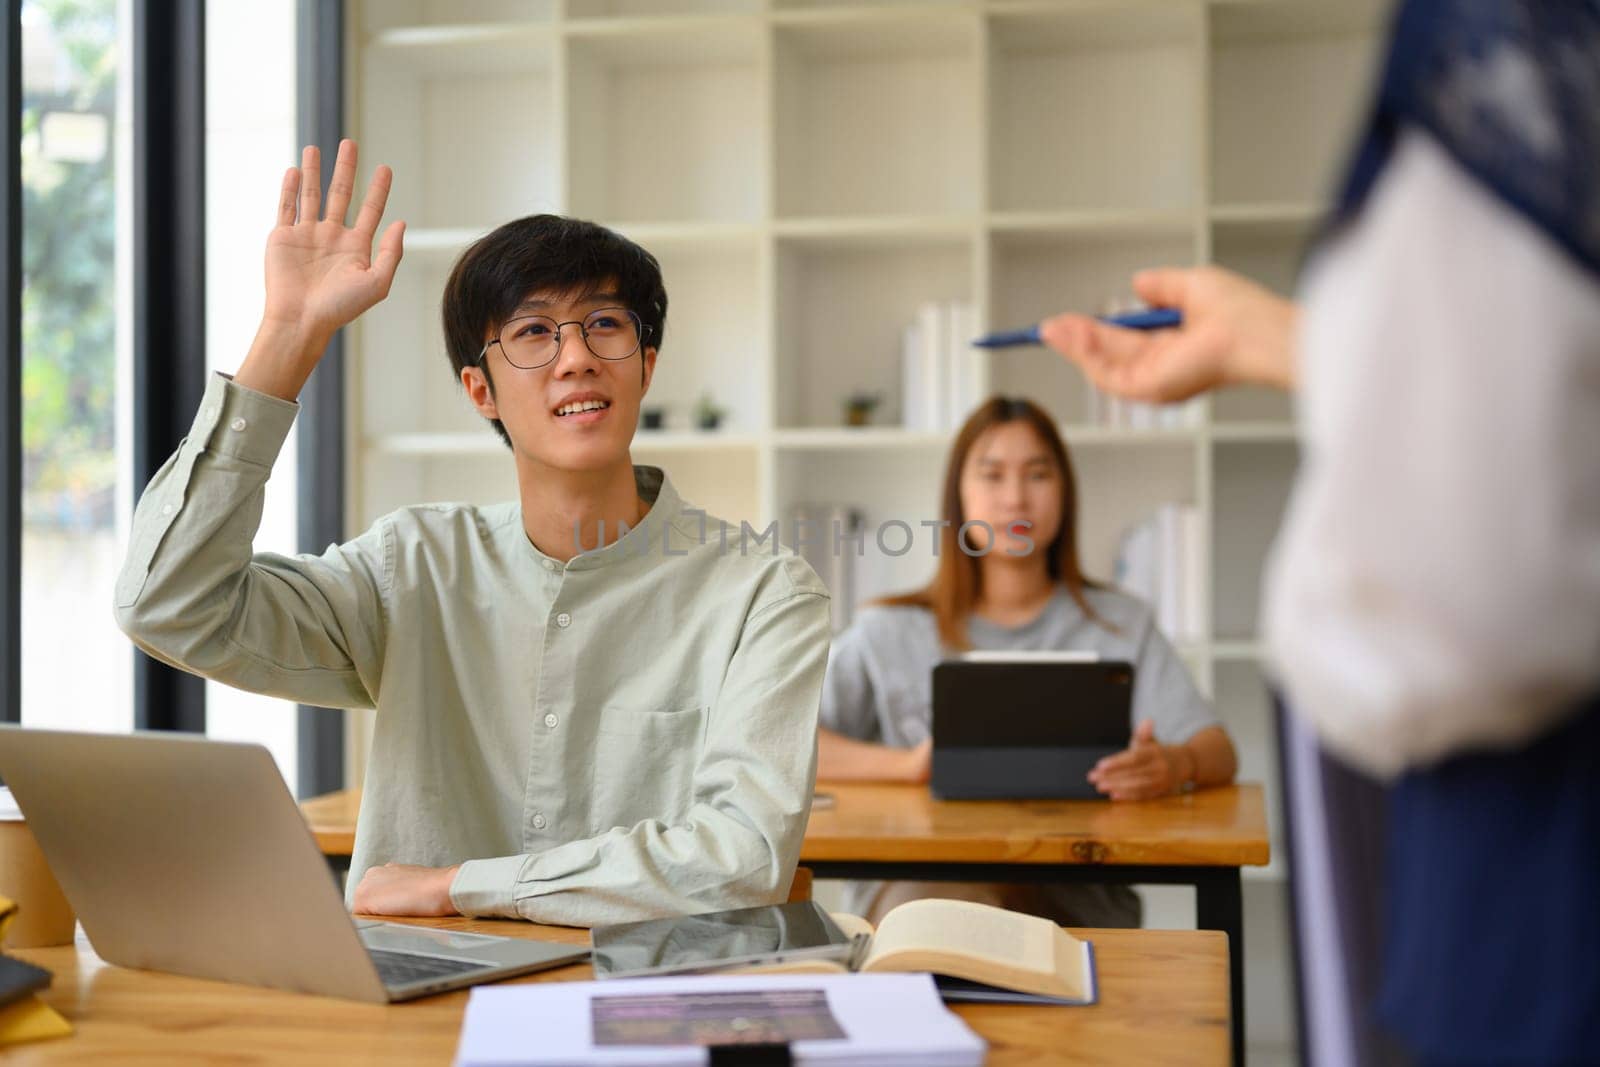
x=401, y=889
x=1145, y=769
x=1234, y=332
x=916, y=764
x=321, y=274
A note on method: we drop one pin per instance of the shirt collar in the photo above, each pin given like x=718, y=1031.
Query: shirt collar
x=656, y=490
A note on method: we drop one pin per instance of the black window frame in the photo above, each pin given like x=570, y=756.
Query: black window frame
x=320, y=453
x=169, y=327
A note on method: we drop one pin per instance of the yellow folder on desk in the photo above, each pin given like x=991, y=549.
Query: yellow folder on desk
x=29, y=1019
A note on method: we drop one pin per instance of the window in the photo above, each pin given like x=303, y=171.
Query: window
x=77, y=670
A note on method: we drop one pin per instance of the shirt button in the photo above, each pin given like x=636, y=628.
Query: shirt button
x=168, y=510
x=551, y=720
x=549, y=564
x=538, y=822
x=563, y=620
x=238, y=424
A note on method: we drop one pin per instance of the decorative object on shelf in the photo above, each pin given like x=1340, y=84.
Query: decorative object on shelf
x=859, y=406
x=707, y=415
x=652, y=418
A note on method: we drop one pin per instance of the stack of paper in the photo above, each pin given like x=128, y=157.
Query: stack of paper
x=833, y=1019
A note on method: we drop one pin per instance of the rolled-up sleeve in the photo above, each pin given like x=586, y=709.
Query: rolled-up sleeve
x=192, y=593
x=739, y=841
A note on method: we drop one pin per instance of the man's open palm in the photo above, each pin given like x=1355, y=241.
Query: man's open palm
x=321, y=273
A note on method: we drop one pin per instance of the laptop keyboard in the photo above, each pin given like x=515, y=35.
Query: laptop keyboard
x=403, y=968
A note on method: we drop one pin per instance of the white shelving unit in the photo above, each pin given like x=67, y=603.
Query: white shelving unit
x=808, y=173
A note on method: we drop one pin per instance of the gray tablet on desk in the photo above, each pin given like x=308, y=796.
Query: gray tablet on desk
x=1026, y=728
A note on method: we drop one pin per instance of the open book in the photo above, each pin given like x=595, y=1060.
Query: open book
x=976, y=952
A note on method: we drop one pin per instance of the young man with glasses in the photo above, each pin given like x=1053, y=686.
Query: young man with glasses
x=592, y=705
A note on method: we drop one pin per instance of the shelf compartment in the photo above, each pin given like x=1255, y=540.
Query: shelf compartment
x=1250, y=490
x=381, y=16
x=1094, y=108
x=843, y=306
x=716, y=340
x=432, y=112
x=665, y=9
x=1287, y=96
x=1036, y=275
x=877, y=115
x=666, y=125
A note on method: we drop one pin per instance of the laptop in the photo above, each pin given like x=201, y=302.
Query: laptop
x=1027, y=726
x=187, y=855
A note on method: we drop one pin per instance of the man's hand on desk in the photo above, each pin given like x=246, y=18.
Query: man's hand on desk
x=401, y=889
x=1146, y=769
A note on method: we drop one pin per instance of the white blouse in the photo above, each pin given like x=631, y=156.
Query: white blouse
x=1436, y=583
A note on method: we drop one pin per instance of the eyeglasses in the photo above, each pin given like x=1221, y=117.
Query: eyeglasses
x=533, y=341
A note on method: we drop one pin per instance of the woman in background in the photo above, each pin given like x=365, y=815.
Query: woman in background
x=1018, y=586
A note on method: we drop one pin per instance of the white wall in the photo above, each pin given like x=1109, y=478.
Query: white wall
x=250, y=139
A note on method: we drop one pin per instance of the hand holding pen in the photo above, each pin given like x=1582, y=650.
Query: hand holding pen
x=1208, y=327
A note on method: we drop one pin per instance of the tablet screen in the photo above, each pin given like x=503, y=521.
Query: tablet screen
x=716, y=940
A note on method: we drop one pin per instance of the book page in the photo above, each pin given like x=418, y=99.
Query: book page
x=960, y=926
x=980, y=943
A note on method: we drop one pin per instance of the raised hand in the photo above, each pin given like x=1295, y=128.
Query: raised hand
x=1234, y=332
x=321, y=273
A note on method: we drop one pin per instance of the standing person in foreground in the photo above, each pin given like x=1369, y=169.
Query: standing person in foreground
x=590, y=710
x=1433, y=603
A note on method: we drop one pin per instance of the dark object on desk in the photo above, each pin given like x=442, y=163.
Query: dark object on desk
x=750, y=1056
x=18, y=980
x=720, y=940
x=1026, y=729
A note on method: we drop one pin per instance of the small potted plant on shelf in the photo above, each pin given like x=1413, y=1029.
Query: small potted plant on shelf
x=859, y=406
x=652, y=418
x=707, y=415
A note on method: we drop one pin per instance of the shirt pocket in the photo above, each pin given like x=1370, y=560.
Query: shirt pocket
x=645, y=761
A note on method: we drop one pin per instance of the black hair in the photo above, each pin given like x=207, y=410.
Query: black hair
x=544, y=253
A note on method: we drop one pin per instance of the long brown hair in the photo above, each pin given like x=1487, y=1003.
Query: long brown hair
x=953, y=593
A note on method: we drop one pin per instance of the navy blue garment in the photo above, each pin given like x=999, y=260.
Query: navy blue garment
x=1492, y=929
x=1493, y=916
x=1510, y=89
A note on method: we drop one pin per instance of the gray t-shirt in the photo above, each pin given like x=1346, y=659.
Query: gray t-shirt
x=879, y=685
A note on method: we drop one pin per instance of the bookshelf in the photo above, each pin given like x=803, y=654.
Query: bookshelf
x=808, y=173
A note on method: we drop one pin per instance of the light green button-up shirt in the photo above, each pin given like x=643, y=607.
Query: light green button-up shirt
x=628, y=734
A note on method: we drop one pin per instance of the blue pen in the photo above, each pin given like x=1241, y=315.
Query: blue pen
x=1151, y=319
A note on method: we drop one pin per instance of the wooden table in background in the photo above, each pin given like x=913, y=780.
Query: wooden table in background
x=1163, y=999
x=1200, y=839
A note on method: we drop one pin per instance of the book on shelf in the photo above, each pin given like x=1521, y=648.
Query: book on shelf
x=1161, y=560
x=941, y=374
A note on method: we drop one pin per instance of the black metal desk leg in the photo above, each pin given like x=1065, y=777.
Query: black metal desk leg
x=1219, y=905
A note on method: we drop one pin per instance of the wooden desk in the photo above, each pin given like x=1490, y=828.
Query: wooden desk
x=1163, y=999
x=899, y=831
